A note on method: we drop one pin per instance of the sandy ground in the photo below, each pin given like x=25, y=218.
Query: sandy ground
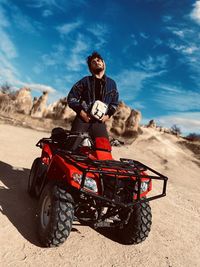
x=175, y=236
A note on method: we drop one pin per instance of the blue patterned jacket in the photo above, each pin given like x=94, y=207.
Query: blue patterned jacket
x=82, y=94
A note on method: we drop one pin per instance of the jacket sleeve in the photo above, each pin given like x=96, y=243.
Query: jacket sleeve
x=113, y=102
x=74, y=97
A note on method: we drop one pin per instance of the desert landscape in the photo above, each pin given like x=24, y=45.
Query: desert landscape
x=174, y=239
x=141, y=59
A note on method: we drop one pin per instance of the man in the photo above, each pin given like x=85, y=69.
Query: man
x=86, y=91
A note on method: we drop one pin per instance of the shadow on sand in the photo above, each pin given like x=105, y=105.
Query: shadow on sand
x=15, y=202
x=20, y=208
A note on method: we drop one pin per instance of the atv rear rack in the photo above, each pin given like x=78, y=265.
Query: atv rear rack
x=124, y=167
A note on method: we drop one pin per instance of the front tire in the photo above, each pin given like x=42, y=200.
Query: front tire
x=139, y=225
x=34, y=182
x=55, y=215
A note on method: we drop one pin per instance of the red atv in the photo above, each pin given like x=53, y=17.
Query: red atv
x=76, y=179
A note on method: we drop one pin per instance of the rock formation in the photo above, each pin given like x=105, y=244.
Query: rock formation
x=39, y=106
x=122, y=126
x=132, y=128
x=151, y=124
x=23, y=100
x=125, y=123
x=20, y=101
x=119, y=118
x=60, y=110
x=6, y=103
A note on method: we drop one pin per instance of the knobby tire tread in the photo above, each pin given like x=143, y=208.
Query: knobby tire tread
x=139, y=225
x=61, y=220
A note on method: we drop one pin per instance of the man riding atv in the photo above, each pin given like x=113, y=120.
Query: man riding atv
x=94, y=99
x=84, y=183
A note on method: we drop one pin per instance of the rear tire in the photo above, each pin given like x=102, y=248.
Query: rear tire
x=55, y=215
x=139, y=225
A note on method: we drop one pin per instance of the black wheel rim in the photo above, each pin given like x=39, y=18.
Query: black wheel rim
x=45, y=212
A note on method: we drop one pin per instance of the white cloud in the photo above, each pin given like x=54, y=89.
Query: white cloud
x=6, y=45
x=188, y=49
x=56, y=5
x=166, y=18
x=180, y=33
x=184, y=48
x=172, y=44
x=158, y=42
x=76, y=55
x=3, y=20
x=195, y=14
x=53, y=59
x=187, y=121
x=168, y=88
x=47, y=13
x=49, y=60
x=80, y=45
x=38, y=87
x=67, y=28
x=24, y=23
x=130, y=82
x=174, y=98
x=144, y=35
x=7, y=71
x=153, y=63
x=186, y=41
x=72, y=58
x=138, y=105
x=133, y=42
x=18, y=19
x=37, y=69
x=46, y=3
x=100, y=31
x=9, y=74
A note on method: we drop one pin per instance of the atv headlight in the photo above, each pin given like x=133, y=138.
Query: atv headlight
x=143, y=187
x=89, y=182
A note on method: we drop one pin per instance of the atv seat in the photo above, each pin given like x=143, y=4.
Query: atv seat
x=68, y=140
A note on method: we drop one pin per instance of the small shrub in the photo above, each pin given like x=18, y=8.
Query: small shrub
x=176, y=130
x=193, y=137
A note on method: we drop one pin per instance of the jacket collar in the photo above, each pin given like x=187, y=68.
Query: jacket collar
x=103, y=78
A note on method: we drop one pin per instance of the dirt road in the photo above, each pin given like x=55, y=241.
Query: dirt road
x=173, y=241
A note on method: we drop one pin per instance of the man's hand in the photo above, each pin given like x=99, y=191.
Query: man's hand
x=105, y=118
x=85, y=116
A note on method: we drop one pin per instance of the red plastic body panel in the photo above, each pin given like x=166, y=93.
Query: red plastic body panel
x=60, y=169
x=47, y=153
x=103, y=155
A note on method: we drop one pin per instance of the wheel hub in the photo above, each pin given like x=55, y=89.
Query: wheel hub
x=46, y=212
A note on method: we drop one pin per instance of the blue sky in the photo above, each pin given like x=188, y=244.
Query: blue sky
x=151, y=49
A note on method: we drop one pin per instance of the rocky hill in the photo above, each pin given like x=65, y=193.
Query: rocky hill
x=20, y=109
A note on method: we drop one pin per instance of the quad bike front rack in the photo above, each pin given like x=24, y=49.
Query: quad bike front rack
x=112, y=168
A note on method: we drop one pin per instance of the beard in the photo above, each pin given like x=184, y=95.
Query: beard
x=98, y=70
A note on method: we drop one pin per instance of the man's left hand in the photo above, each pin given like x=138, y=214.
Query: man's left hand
x=105, y=118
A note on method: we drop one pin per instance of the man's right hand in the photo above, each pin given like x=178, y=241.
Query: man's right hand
x=85, y=116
